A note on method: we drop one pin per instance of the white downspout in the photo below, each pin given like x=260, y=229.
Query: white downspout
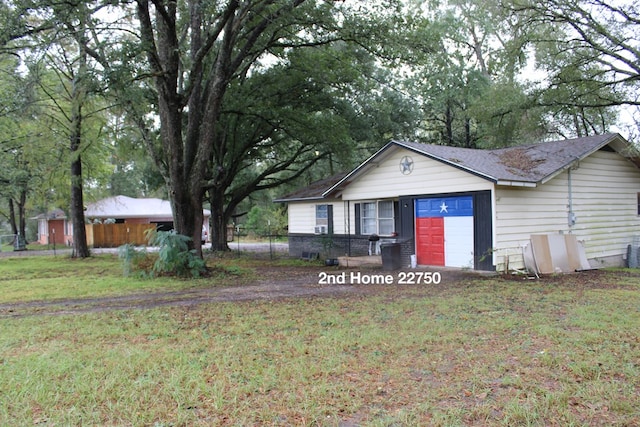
x=571, y=218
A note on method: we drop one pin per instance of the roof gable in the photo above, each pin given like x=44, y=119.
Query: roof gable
x=523, y=165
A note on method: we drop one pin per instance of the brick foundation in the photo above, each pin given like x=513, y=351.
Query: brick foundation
x=333, y=246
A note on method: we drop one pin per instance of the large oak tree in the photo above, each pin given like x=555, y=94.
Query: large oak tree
x=196, y=53
x=194, y=50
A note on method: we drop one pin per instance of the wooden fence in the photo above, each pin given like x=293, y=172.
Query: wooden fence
x=114, y=235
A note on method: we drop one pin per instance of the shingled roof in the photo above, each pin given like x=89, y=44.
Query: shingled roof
x=314, y=191
x=519, y=165
x=522, y=165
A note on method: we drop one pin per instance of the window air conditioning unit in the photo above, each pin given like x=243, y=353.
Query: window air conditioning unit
x=320, y=229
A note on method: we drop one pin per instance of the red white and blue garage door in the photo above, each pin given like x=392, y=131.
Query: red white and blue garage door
x=444, y=231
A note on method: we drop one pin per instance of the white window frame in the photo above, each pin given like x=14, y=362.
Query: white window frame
x=366, y=220
x=322, y=220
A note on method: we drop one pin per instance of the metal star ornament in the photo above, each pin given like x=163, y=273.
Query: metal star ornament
x=406, y=165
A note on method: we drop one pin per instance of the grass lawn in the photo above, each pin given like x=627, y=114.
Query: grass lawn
x=481, y=351
x=31, y=278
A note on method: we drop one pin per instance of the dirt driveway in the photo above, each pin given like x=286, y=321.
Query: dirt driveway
x=274, y=283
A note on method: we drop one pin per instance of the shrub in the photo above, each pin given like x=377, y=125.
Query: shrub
x=130, y=257
x=174, y=256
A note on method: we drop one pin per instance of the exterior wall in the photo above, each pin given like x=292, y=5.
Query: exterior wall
x=63, y=234
x=341, y=245
x=604, y=191
x=328, y=246
x=520, y=212
x=384, y=182
x=43, y=232
x=428, y=177
x=302, y=216
x=605, y=202
x=60, y=236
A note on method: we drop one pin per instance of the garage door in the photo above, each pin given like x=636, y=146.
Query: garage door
x=444, y=231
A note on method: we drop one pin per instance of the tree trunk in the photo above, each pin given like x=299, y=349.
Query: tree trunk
x=81, y=249
x=187, y=213
x=448, y=114
x=12, y=217
x=219, y=220
x=467, y=134
x=22, y=215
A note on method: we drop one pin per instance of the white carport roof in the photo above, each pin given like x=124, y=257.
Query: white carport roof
x=129, y=207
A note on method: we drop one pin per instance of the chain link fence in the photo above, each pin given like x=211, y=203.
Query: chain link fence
x=257, y=241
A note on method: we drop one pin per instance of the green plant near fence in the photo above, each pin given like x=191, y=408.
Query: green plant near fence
x=131, y=258
x=174, y=258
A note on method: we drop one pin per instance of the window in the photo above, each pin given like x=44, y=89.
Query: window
x=322, y=215
x=386, y=225
x=369, y=216
x=377, y=218
x=324, y=219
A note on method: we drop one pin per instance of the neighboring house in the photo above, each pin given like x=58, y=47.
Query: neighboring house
x=461, y=207
x=117, y=209
x=129, y=210
x=54, y=229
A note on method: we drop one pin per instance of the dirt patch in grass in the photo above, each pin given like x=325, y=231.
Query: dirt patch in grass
x=271, y=282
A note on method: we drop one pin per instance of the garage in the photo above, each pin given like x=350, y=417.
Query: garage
x=445, y=231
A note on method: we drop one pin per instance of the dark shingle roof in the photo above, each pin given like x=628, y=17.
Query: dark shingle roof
x=528, y=165
x=534, y=163
x=313, y=191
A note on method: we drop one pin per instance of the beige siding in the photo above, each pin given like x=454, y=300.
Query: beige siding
x=605, y=201
x=604, y=193
x=302, y=216
x=428, y=177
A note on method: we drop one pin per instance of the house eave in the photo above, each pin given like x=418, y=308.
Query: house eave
x=508, y=183
x=299, y=199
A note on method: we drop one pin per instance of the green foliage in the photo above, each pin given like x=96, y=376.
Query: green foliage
x=308, y=92
x=265, y=221
x=174, y=256
x=130, y=257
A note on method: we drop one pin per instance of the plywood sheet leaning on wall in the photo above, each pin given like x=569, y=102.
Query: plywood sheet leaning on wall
x=555, y=253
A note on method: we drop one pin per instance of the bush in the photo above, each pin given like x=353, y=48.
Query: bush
x=173, y=258
x=130, y=257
